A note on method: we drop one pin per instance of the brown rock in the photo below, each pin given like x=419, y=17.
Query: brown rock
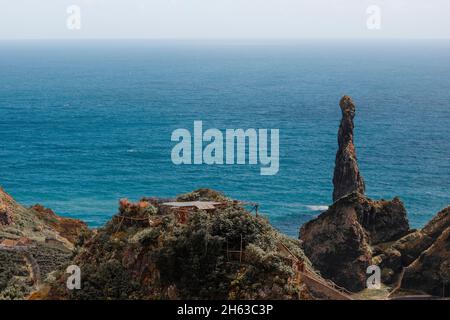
x=438, y=224
x=383, y=220
x=70, y=229
x=390, y=263
x=347, y=177
x=45, y=240
x=338, y=246
x=426, y=255
x=339, y=242
x=413, y=244
x=430, y=272
x=30, y=222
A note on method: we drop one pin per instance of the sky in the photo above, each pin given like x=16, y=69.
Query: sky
x=222, y=19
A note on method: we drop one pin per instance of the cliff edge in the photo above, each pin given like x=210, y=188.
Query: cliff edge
x=34, y=242
x=357, y=232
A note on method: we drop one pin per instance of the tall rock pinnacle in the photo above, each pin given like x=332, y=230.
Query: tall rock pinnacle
x=347, y=177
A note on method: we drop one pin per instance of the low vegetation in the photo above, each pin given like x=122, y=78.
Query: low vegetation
x=147, y=252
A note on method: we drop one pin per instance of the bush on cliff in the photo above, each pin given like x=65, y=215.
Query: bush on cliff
x=184, y=259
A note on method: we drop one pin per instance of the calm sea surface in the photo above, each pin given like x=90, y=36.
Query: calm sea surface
x=85, y=123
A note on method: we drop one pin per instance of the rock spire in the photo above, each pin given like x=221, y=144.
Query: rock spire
x=347, y=177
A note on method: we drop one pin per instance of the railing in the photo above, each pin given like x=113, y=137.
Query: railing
x=344, y=293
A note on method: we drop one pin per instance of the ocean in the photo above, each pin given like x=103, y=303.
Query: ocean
x=85, y=123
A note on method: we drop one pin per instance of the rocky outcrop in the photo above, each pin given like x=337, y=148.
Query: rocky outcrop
x=383, y=220
x=430, y=272
x=356, y=232
x=340, y=241
x=437, y=225
x=73, y=230
x=147, y=252
x=24, y=238
x=338, y=246
x=413, y=244
x=347, y=177
x=426, y=255
x=37, y=223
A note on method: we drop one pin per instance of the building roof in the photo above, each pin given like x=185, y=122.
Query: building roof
x=201, y=205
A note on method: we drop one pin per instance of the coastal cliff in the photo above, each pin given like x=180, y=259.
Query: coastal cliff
x=150, y=250
x=426, y=253
x=34, y=242
x=357, y=232
x=340, y=241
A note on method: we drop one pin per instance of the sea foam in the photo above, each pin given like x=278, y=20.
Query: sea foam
x=317, y=207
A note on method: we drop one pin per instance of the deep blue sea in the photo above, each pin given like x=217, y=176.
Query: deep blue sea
x=84, y=123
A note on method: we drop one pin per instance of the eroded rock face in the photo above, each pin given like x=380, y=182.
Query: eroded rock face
x=426, y=255
x=356, y=232
x=383, y=220
x=338, y=246
x=413, y=244
x=48, y=239
x=339, y=242
x=347, y=177
x=36, y=222
x=438, y=224
x=68, y=228
x=430, y=272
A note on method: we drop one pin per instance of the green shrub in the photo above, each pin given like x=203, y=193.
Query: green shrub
x=146, y=236
x=108, y=280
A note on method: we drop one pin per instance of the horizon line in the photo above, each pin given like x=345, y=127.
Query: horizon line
x=223, y=39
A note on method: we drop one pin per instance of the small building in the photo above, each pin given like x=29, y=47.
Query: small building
x=199, y=205
x=183, y=208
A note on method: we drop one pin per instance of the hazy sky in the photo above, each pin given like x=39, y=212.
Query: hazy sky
x=215, y=19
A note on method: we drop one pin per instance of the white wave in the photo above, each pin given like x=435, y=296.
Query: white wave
x=317, y=208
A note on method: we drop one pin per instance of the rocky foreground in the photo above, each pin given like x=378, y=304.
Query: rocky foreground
x=151, y=251
x=356, y=232
x=203, y=245
x=34, y=242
